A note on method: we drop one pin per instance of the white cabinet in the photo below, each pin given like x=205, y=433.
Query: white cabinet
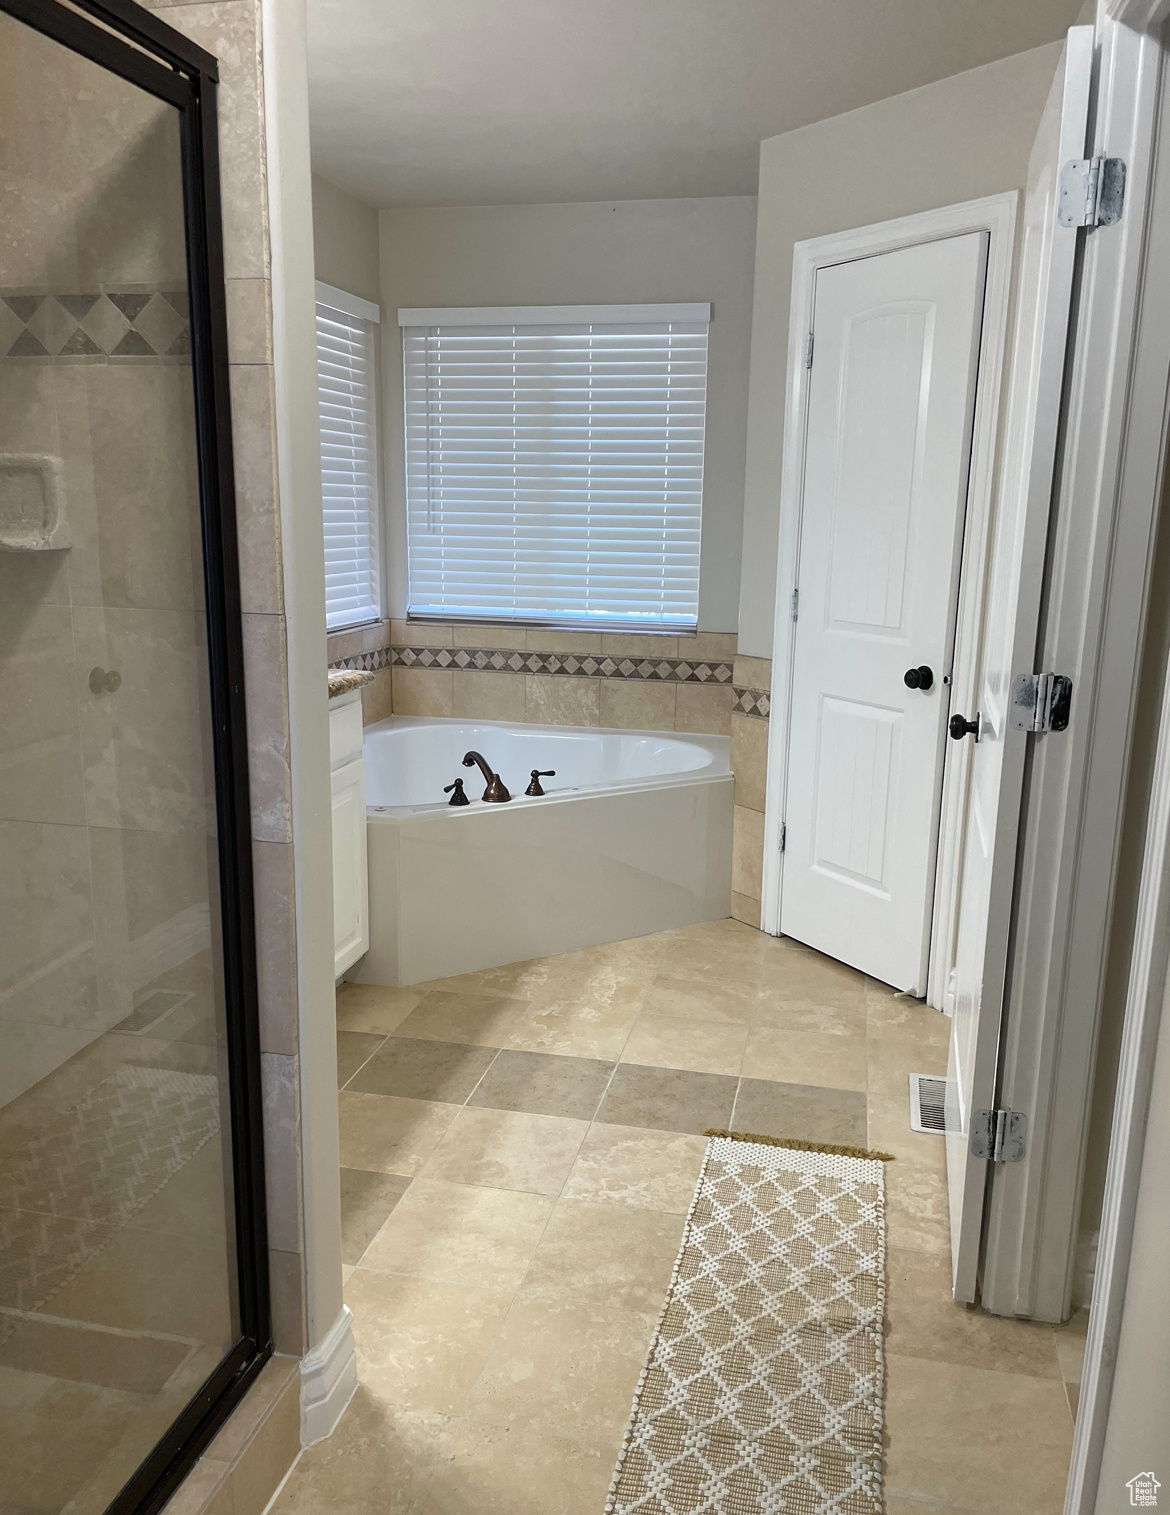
x=351, y=917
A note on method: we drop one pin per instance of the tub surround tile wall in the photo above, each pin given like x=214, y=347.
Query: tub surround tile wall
x=514, y=673
x=751, y=682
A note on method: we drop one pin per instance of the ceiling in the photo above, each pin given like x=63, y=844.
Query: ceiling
x=489, y=102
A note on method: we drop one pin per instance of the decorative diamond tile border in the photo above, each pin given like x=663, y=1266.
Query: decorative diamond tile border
x=559, y=664
x=756, y=702
x=107, y=325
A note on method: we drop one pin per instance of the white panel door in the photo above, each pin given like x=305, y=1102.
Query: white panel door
x=891, y=399
x=1011, y=618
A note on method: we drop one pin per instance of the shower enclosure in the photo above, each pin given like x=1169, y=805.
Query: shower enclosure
x=133, y=1283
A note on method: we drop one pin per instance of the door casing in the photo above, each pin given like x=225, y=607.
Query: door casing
x=995, y=215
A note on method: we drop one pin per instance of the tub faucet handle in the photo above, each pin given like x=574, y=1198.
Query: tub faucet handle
x=496, y=792
x=458, y=798
x=537, y=775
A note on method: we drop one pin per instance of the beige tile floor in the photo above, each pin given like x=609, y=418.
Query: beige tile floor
x=519, y=1149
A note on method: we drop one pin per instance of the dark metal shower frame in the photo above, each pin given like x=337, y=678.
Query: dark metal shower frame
x=133, y=43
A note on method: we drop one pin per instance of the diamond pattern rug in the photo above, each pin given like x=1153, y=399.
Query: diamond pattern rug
x=763, y=1390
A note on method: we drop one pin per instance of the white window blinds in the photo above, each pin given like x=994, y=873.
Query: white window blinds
x=349, y=466
x=554, y=464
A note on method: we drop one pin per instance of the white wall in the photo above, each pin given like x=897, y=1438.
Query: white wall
x=1138, y=1435
x=632, y=250
x=345, y=240
x=956, y=140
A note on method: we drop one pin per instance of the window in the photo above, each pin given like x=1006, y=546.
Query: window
x=349, y=455
x=554, y=464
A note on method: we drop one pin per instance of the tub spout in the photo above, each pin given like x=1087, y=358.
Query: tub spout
x=496, y=792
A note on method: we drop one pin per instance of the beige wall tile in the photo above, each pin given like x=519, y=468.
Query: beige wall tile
x=256, y=1474
x=465, y=634
x=250, y=1415
x=749, y=760
x=637, y=705
x=276, y=957
x=753, y=673
x=144, y=746
x=552, y=701
x=286, y=1287
x=489, y=696
x=266, y=675
x=348, y=644
x=249, y=319
x=40, y=742
x=377, y=697
x=282, y=1150
x=704, y=708
x=258, y=517
x=640, y=645
x=204, y=1491
x=545, y=639
x=710, y=645
x=747, y=853
x=230, y=31
x=420, y=634
x=423, y=691
x=745, y=909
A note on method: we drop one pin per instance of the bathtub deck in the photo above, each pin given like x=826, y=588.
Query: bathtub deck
x=520, y=1146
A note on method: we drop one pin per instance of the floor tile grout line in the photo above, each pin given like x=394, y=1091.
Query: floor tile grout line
x=358, y=1069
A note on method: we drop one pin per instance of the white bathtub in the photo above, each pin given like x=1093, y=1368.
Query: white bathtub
x=633, y=835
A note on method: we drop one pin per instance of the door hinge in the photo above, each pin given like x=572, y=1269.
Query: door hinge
x=1040, y=702
x=795, y=603
x=783, y=834
x=1092, y=192
x=808, y=351
x=999, y=1135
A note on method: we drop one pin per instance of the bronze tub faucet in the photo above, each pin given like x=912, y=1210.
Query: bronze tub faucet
x=496, y=792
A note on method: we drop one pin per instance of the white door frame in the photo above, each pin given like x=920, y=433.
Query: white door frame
x=995, y=215
x=1097, y=586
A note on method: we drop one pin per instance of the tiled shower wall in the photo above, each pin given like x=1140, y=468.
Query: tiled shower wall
x=231, y=29
x=543, y=677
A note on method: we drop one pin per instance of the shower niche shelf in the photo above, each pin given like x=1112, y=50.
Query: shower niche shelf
x=32, y=503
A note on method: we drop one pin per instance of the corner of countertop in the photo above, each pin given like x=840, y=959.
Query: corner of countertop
x=342, y=680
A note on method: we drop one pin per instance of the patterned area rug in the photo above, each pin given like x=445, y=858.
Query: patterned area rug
x=763, y=1390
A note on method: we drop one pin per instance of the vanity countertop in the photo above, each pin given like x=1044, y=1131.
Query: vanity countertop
x=342, y=680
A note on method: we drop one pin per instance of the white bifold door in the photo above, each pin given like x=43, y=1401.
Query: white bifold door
x=1008, y=650
x=891, y=398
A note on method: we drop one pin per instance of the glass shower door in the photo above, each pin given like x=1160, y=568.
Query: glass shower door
x=123, y=1071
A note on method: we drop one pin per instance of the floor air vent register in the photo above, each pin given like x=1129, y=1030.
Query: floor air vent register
x=928, y=1103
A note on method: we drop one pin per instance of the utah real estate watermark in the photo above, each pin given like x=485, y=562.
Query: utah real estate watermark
x=1143, y=1491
